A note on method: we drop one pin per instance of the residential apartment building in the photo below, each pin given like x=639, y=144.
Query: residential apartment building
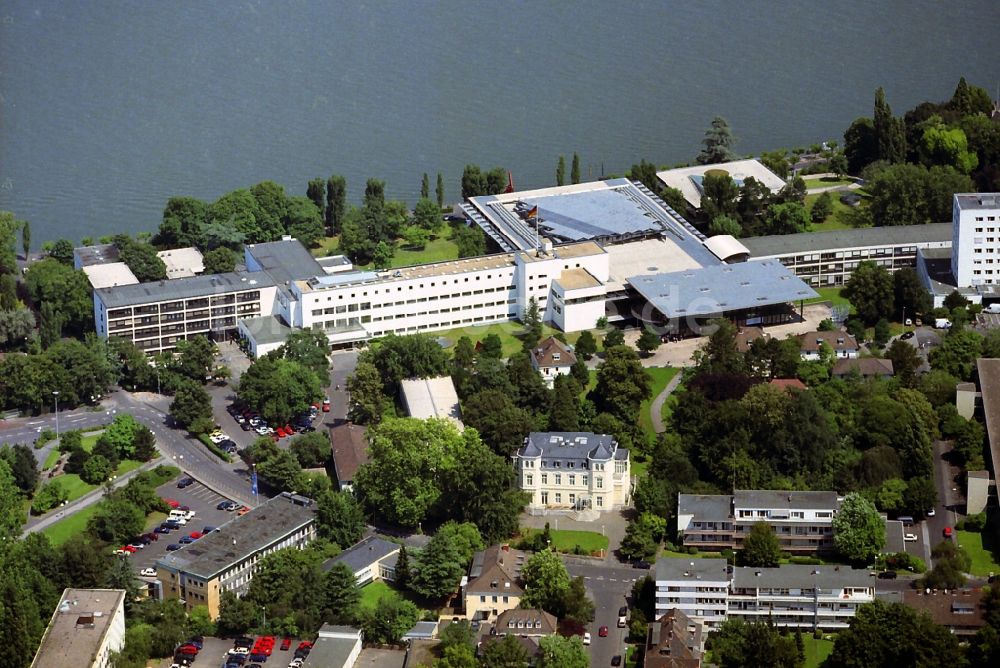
x=673, y=641
x=827, y=259
x=802, y=521
x=842, y=344
x=792, y=595
x=226, y=559
x=87, y=627
x=494, y=582
x=699, y=588
x=574, y=470
x=796, y=595
x=975, y=248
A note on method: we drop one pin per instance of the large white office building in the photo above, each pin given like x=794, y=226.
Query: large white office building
x=975, y=249
x=792, y=595
x=581, y=252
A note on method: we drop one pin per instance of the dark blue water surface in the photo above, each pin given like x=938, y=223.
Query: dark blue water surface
x=109, y=108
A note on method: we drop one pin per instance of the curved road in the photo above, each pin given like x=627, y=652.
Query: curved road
x=189, y=454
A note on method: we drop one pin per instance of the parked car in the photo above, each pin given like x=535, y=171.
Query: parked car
x=906, y=335
x=586, y=638
x=196, y=535
x=888, y=575
x=162, y=529
x=603, y=631
x=910, y=537
x=616, y=660
x=182, y=483
x=232, y=505
x=121, y=552
x=151, y=536
x=947, y=532
x=172, y=547
x=148, y=572
x=243, y=510
x=187, y=540
x=326, y=405
x=171, y=502
x=286, y=642
x=222, y=505
x=930, y=512
x=208, y=529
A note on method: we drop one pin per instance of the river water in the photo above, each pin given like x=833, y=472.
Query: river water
x=109, y=108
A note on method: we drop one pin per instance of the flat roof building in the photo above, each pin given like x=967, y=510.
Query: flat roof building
x=182, y=262
x=88, y=256
x=802, y=520
x=226, y=559
x=336, y=647
x=610, y=211
x=689, y=180
x=87, y=627
x=109, y=275
x=432, y=398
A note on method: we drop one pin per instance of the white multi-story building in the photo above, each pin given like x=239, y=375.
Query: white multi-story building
x=792, y=595
x=86, y=630
x=802, y=521
x=975, y=246
x=574, y=470
x=697, y=587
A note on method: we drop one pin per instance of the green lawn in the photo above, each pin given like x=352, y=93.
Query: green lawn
x=76, y=487
x=564, y=540
x=827, y=182
x=834, y=295
x=372, y=592
x=65, y=529
x=835, y=221
x=659, y=377
x=154, y=519
x=816, y=650
x=440, y=249
x=87, y=442
x=983, y=551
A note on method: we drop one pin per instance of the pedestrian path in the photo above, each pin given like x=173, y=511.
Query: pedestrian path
x=656, y=406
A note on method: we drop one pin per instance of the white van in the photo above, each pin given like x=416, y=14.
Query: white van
x=992, y=308
x=942, y=323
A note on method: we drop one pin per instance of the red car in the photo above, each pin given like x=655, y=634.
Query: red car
x=187, y=649
x=128, y=548
x=603, y=632
x=286, y=642
x=171, y=503
x=305, y=644
x=947, y=532
x=196, y=534
x=326, y=405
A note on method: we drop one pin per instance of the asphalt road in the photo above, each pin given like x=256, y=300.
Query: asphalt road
x=176, y=446
x=608, y=585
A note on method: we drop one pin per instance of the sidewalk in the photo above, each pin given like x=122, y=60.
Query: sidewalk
x=38, y=523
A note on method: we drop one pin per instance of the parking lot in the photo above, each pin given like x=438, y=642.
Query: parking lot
x=215, y=649
x=198, y=498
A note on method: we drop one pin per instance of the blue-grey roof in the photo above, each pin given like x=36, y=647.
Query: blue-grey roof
x=615, y=209
x=190, y=287
x=570, y=446
x=686, y=568
x=706, y=507
x=285, y=260
x=363, y=554
x=721, y=288
x=802, y=576
x=861, y=237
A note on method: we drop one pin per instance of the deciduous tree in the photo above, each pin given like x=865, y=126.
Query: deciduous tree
x=859, y=532
x=761, y=546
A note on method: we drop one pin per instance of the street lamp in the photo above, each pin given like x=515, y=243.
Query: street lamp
x=55, y=393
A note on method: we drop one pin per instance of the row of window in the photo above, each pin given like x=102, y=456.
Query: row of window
x=446, y=324
x=557, y=480
x=454, y=309
x=598, y=500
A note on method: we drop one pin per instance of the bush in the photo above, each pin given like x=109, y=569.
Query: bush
x=45, y=436
x=972, y=523
x=70, y=440
x=48, y=497
x=805, y=561
x=902, y=561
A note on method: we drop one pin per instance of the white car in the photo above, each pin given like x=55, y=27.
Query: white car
x=148, y=572
x=586, y=638
x=219, y=437
x=264, y=431
x=930, y=513
x=910, y=537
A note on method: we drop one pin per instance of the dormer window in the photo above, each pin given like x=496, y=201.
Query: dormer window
x=556, y=356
